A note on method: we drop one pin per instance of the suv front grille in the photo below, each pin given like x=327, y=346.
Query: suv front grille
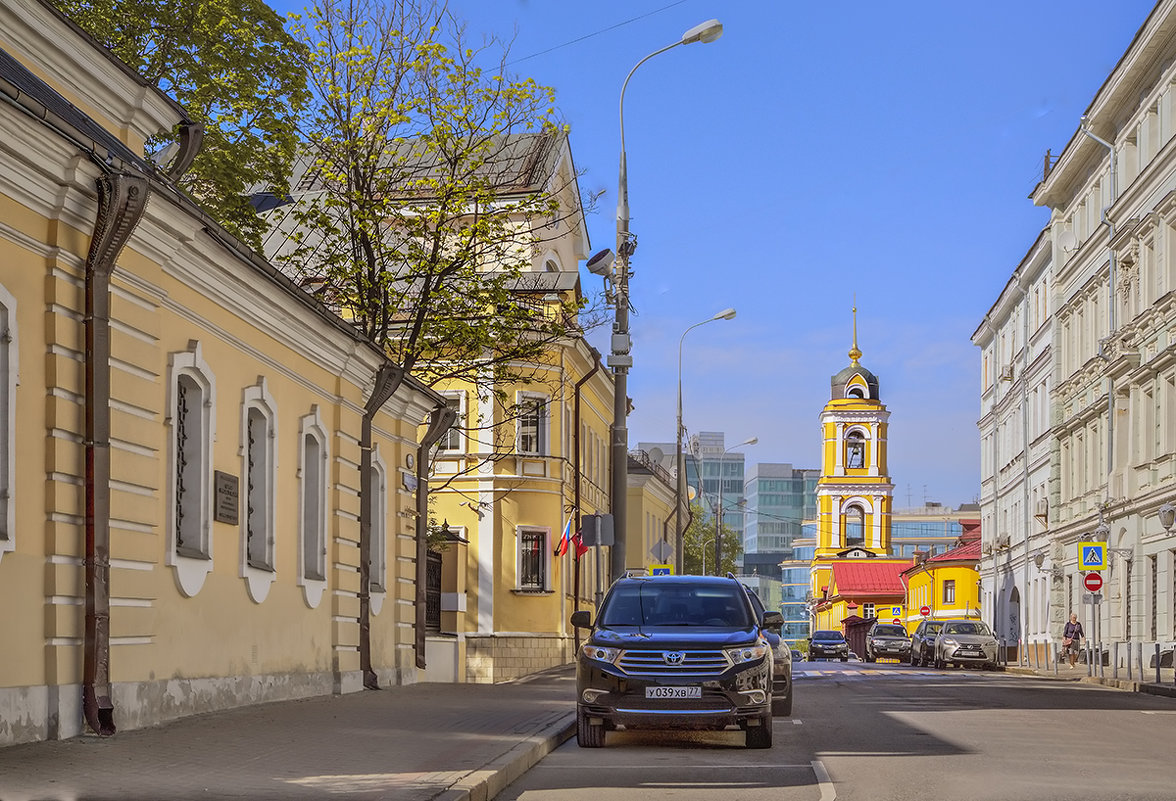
x=654, y=663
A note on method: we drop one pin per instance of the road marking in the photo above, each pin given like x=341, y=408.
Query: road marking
x=796, y=722
x=1159, y=711
x=828, y=793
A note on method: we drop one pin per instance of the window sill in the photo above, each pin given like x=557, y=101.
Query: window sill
x=526, y=591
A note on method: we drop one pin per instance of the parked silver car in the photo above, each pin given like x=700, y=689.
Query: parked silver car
x=965, y=642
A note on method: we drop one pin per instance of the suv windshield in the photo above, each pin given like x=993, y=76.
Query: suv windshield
x=966, y=628
x=649, y=604
x=828, y=635
x=889, y=631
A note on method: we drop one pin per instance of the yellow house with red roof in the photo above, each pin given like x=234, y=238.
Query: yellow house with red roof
x=947, y=585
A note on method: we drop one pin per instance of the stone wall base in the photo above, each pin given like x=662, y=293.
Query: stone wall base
x=493, y=658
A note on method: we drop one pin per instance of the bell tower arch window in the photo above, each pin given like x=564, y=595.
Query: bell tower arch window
x=855, y=526
x=855, y=450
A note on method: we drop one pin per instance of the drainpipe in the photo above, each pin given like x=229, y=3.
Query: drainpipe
x=440, y=419
x=1111, y=317
x=576, y=474
x=1027, y=512
x=387, y=381
x=122, y=199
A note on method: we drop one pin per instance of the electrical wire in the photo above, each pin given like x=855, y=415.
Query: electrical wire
x=596, y=33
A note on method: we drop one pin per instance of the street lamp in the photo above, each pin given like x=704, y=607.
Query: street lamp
x=719, y=510
x=619, y=359
x=1166, y=512
x=704, y=544
x=679, y=459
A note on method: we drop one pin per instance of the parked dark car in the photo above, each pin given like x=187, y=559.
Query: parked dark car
x=781, y=656
x=887, y=641
x=828, y=645
x=923, y=642
x=675, y=652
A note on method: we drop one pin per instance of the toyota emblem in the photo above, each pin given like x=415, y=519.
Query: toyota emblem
x=674, y=657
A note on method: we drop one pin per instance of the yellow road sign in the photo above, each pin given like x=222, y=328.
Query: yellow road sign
x=1092, y=556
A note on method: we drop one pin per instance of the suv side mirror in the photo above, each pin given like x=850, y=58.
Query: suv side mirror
x=773, y=621
x=582, y=619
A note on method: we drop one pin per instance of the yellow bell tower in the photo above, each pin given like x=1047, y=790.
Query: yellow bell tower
x=854, y=492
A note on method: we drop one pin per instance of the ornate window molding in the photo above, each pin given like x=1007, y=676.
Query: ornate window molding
x=191, y=425
x=259, y=459
x=313, y=480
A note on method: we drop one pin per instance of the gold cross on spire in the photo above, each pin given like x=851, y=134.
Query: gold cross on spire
x=854, y=353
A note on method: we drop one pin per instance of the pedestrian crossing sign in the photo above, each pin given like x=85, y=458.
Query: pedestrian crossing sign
x=1092, y=556
x=661, y=570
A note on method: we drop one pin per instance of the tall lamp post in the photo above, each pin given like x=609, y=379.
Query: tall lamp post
x=719, y=510
x=679, y=458
x=619, y=358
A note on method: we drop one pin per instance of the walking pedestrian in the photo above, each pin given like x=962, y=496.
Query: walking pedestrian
x=1072, y=636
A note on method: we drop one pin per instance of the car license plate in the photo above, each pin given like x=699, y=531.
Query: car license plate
x=673, y=692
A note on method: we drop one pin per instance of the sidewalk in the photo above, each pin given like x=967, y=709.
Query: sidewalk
x=448, y=742
x=1166, y=686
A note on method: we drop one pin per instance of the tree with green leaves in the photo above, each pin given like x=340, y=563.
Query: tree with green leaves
x=427, y=186
x=699, y=545
x=231, y=65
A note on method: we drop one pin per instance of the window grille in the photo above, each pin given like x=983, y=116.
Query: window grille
x=532, y=560
x=433, y=592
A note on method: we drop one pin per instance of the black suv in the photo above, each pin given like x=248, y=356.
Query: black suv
x=923, y=642
x=828, y=645
x=675, y=652
x=887, y=641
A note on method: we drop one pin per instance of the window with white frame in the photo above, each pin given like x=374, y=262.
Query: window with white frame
x=453, y=439
x=949, y=591
x=258, y=466
x=867, y=611
x=533, y=424
x=533, y=559
x=8, y=382
x=191, y=463
x=855, y=526
x=378, y=509
x=313, y=500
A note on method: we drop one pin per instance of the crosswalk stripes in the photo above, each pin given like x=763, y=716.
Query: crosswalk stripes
x=876, y=672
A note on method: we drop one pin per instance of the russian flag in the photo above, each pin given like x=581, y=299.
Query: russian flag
x=565, y=539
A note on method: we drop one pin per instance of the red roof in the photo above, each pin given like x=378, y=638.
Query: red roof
x=867, y=577
x=969, y=551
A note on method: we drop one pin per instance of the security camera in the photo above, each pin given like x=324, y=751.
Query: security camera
x=601, y=263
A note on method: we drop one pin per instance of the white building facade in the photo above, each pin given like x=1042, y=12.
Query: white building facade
x=1016, y=368
x=1112, y=194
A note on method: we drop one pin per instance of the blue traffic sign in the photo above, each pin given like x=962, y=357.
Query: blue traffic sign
x=1092, y=556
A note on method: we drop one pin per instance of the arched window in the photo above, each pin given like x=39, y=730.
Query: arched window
x=378, y=509
x=855, y=450
x=855, y=392
x=312, y=517
x=258, y=480
x=191, y=419
x=855, y=526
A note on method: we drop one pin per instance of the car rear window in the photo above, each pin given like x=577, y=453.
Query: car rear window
x=889, y=631
x=648, y=603
x=828, y=635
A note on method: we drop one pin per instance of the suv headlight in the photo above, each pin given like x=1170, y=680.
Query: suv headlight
x=952, y=641
x=747, y=653
x=601, y=654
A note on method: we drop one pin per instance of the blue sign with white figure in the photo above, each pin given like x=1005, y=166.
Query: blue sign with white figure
x=1092, y=556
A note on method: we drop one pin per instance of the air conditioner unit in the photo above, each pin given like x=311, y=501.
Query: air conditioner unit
x=1042, y=509
x=1003, y=541
x=1006, y=373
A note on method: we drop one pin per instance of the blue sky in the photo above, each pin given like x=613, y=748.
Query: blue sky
x=818, y=151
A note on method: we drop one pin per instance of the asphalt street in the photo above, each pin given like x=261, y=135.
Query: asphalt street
x=887, y=731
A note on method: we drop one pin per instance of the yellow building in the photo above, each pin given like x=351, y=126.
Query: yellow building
x=214, y=504
x=650, y=512
x=947, y=585
x=854, y=490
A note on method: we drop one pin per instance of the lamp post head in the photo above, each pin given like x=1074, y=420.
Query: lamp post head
x=1167, y=515
x=725, y=314
x=705, y=32
x=750, y=441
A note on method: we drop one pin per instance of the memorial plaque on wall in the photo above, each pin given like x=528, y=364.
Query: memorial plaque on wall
x=227, y=498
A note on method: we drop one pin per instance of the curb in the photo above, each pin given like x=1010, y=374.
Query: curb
x=492, y=778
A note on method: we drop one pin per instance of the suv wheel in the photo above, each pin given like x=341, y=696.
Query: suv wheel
x=587, y=734
x=783, y=706
x=760, y=736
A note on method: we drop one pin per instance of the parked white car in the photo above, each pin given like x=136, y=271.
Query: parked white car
x=965, y=642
